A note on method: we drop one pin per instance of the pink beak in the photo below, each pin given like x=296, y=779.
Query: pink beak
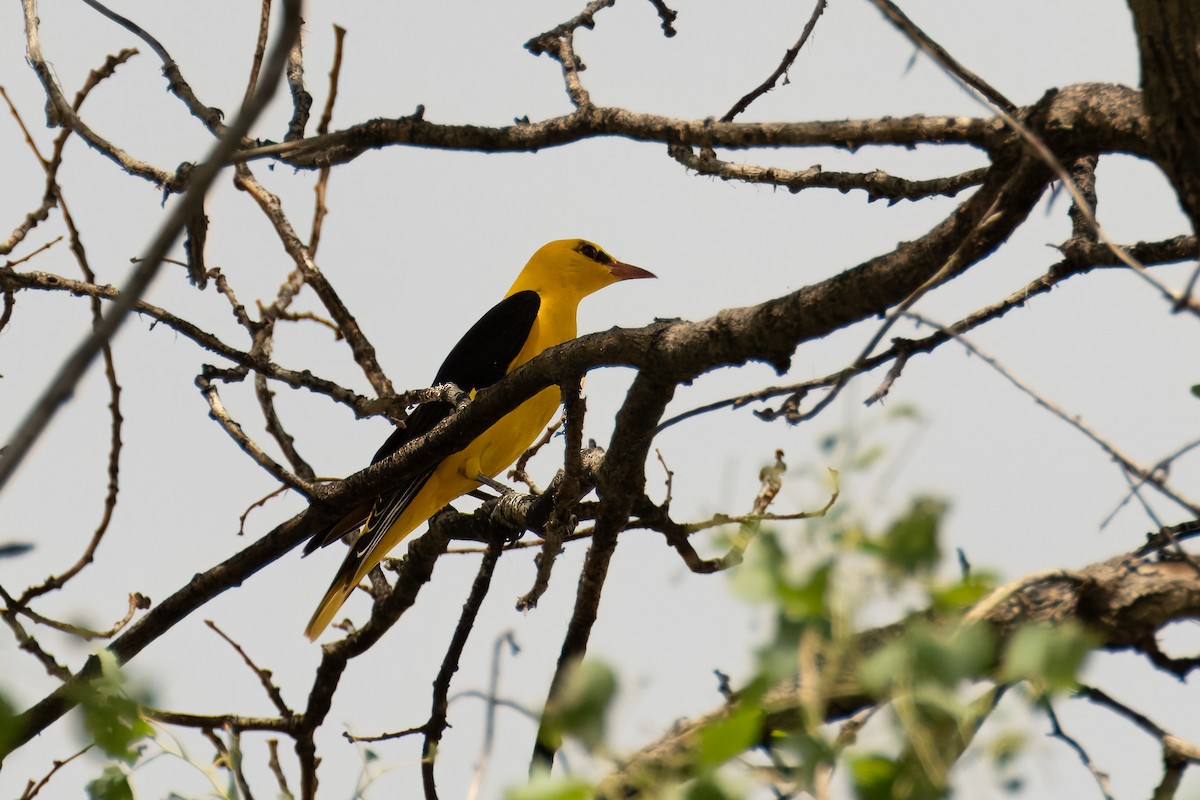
x=624, y=272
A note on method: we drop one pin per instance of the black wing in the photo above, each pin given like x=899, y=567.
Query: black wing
x=480, y=358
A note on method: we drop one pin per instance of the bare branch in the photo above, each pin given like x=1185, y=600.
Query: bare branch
x=1149, y=476
x=782, y=70
x=1058, y=733
x=364, y=352
x=877, y=184
x=218, y=413
x=264, y=675
x=561, y=522
x=301, y=99
x=441, y=684
x=277, y=769
x=935, y=51
x=620, y=481
x=211, y=117
x=31, y=791
x=322, y=186
x=489, y=720
x=362, y=406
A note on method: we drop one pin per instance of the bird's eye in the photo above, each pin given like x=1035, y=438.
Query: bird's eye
x=595, y=254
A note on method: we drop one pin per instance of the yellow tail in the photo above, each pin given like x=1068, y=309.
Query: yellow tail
x=337, y=595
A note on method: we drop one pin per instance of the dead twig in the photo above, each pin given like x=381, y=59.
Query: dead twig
x=782, y=70
x=264, y=675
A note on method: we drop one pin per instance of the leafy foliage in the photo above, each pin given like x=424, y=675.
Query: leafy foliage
x=1048, y=658
x=111, y=718
x=113, y=784
x=582, y=707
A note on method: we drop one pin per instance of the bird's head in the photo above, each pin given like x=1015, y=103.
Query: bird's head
x=573, y=268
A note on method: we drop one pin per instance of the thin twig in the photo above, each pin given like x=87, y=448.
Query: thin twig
x=248, y=445
x=620, y=481
x=518, y=472
x=211, y=117
x=363, y=351
x=95, y=77
x=277, y=769
x=301, y=99
x=441, y=684
x=264, y=675
x=561, y=521
x=260, y=48
x=286, y=442
x=362, y=406
x=1057, y=732
x=259, y=503
x=28, y=643
x=59, y=112
x=137, y=602
x=782, y=70
x=230, y=757
x=320, y=209
x=877, y=184
x=489, y=717
x=31, y=790
x=1160, y=468
x=1073, y=420
x=941, y=57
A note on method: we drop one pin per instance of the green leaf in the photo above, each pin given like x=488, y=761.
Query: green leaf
x=1006, y=747
x=111, y=719
x=911, y=543
x=928, y=657
x=957, y=597
x=9, y=725
x=1196, y=390
x=759, y=576
x=877, y=777
x=809, y=752
x=1048, y=657
x=547, y=788
x=735, y=733
x=706, y=788
x=904, y=411
x=113, y=784
x=808, y=600
x=581, y=706
x=873, y=777
x=964, y=653
x=886, y=667
x=865, y=459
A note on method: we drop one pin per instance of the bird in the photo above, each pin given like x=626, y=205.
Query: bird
x=537, y=313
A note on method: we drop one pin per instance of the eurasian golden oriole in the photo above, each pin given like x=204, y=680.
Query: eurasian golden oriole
x=537, y=313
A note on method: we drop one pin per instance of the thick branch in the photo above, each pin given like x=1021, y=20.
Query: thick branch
x=1088, y=117
x=1168, y=32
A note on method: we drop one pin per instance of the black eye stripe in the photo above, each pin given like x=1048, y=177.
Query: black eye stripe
x=597, y=255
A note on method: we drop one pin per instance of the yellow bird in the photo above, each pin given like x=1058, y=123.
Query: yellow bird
x=537, y=313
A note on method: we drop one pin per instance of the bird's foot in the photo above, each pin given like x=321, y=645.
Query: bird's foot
x=494, y=484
